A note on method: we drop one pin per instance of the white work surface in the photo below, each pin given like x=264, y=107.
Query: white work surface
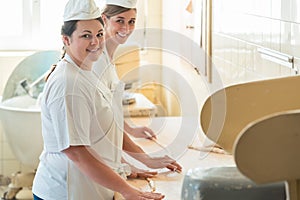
x=141, y=107
x=170, y=183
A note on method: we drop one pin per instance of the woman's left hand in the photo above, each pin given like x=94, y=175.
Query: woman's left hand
x=163, y=162
x=139, y=132
x=140, y=173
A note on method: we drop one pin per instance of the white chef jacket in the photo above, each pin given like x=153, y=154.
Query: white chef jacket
x=106, y=70
x=77, y=109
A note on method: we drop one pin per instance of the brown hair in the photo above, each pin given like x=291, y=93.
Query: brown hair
x=112, y=10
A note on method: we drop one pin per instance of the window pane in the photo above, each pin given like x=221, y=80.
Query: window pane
x=51, y=22
x=11, y=18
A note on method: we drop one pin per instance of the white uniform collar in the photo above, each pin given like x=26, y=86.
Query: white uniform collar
x=69, y=60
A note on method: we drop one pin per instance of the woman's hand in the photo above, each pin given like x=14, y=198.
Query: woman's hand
x=140, y=173
x=131, y=193
x=163, y=162
x=134, y=194
x=139, y=131
x=153, y=162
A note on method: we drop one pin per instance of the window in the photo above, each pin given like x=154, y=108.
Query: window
x=14, y=26
x=36, y=24
x=31, y=24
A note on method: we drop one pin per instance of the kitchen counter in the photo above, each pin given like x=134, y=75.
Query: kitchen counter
x=141, y=107
x=167, y=128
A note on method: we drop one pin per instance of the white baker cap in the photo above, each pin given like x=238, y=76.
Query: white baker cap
x=122, y=3
x=81, y=10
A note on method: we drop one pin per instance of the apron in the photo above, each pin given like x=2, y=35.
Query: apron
x=109, y=148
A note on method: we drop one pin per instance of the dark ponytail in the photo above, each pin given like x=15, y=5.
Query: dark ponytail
x=52, y=68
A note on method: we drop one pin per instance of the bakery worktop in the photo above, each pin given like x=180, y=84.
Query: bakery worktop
x=176, y=134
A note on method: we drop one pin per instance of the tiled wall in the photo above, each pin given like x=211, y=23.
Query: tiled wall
x=240, y=28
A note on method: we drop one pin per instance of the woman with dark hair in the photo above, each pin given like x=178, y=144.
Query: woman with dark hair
x=81, y=158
